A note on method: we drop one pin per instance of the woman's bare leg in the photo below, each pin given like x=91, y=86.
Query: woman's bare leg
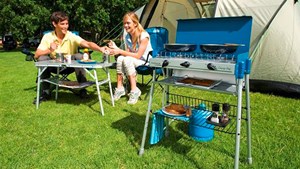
x=119, y=81
x=132, y=80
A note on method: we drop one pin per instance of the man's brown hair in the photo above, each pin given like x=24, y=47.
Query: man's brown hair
x=58, y=17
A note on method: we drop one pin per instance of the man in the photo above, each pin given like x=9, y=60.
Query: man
x=62, y=41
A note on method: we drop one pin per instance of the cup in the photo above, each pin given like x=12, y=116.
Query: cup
x=69, y=58
x=60, y=57
x=106, y=57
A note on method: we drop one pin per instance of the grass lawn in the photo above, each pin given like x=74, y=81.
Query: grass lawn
x=71, y=133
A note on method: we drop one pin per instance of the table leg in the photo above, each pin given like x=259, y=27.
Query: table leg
x=98, y=91
x=38, y=88
x=110, y=87
x=56, y=88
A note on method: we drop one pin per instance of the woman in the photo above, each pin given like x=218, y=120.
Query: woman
x=138, y=46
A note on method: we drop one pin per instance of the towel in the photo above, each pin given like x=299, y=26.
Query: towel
x=157, y=131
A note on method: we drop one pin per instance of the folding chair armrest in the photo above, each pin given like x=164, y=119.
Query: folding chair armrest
x=147, y=60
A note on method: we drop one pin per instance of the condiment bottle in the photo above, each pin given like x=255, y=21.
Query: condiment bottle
x=215, y=111
x=86, y=54
x=106, y=58
x=188, y=111
x=225, y=110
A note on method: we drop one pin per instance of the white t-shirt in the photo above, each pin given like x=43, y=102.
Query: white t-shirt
x=148, y=48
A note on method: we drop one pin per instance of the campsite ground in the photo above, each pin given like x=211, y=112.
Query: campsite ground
x=71, y=133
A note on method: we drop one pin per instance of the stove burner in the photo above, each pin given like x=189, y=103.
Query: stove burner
x=231, y=58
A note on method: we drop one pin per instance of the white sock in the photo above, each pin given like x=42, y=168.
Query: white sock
x=135, y=90
x=121, y=88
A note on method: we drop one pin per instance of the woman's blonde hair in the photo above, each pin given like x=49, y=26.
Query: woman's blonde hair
x=140, y=29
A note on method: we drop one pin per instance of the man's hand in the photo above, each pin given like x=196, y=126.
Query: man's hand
x=53, y=46
x=105, y=49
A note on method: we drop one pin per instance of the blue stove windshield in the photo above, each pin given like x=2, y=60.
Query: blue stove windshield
x=216, y=31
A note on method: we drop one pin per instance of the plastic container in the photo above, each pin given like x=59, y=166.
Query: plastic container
x=199, y=130
x=86, y=54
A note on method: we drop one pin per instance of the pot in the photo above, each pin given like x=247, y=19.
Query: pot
x=220, y=48
x=178, y=47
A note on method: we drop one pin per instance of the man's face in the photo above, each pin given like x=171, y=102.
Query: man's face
x=61, y=26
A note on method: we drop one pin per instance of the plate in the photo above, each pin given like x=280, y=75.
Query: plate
x=87, y=61
x=172, y=114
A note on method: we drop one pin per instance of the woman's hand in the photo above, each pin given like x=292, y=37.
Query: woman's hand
x=114, y=51
x=112, y=45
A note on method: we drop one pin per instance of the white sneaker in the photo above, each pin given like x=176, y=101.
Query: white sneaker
x=134, y=96
x=119, y=93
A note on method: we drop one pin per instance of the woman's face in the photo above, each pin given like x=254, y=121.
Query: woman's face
x=129, y=25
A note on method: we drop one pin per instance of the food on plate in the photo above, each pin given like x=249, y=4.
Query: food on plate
x=89, y=60
x=200, y=82
x=176, y=109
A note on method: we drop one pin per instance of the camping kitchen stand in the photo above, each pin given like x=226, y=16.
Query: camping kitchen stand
x=42, y=66
x=230, y=68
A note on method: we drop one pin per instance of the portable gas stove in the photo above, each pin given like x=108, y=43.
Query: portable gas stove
x=209, y=54
x=213, y=51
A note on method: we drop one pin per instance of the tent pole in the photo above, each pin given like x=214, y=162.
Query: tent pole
x=267, y=27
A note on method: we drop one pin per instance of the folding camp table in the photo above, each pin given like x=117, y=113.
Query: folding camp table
x=43, y=65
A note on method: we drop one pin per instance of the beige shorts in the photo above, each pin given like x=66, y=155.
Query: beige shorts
x=127, y=65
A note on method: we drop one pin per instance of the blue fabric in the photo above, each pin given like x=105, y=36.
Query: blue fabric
x=159, y=36
x=144, y=70
x=75, y=32
x=157, y=130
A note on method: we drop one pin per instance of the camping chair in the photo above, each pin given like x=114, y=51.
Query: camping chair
x=158, y=37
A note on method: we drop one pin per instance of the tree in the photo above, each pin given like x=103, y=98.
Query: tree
x=28, y=18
